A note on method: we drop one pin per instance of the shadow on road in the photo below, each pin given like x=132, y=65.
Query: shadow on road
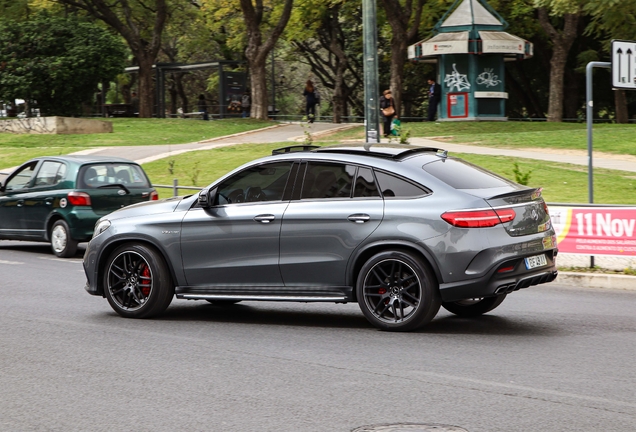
x=293, y=315
x=248, y=313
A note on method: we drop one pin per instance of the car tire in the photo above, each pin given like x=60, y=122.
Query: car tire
x=137, y=281
x=474, y=307
x=62, y=245
x=397, y=291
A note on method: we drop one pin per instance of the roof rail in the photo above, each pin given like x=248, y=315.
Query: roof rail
x=393, y=152
x=294, y=148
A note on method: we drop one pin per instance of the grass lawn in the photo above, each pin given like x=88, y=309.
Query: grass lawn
x=561, y=183
x=608, y=138
x=17, y=148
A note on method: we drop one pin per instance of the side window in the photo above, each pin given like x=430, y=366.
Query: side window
x=392, y=186
x=328, y=180
x=365, y=184
x=50, y=174
x=21, y=179
x=260, y=183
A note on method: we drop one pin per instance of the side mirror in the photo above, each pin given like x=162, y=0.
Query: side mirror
x=207, y=198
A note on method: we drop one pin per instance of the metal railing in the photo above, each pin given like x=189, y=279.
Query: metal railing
x=175, y=187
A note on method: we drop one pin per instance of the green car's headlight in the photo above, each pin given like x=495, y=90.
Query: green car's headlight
x=100, y=227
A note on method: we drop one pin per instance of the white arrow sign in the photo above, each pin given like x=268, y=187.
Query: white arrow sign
x=624, y=64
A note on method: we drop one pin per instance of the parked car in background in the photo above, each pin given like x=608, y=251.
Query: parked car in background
x=58, y=199
x=399, y=229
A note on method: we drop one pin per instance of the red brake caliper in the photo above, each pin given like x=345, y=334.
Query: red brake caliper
x=144, y=284
x=383, y=291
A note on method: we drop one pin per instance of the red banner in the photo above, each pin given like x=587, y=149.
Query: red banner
x=595, y=230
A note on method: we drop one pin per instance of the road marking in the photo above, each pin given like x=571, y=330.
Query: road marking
x=66, y=260
x=10, y=262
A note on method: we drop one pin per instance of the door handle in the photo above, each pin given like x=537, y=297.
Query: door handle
x=359, y=218
x=264, y=218
x=48, y=200
x=19, y=203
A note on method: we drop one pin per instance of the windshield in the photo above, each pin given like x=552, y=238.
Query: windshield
x=100, y=175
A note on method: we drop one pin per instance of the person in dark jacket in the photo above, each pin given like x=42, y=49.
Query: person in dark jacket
x=202, y=105
x=311, y=100
x=434, y=96
x=387, y=106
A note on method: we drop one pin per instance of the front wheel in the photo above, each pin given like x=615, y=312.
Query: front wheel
x=397, y=292
x=474, y=307
x=137, y=282
x=62, y=244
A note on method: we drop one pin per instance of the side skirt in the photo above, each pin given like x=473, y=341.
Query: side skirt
x=290, y=294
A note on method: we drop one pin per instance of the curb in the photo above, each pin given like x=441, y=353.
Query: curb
x=594, y=280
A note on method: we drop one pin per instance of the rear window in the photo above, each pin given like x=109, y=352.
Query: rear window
x=463, y=175
x=94, y=176
x=395, y=187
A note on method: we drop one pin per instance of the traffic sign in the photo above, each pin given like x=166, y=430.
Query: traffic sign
x=624, y=64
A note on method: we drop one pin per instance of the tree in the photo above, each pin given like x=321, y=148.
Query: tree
x=56, y=61
x=141, y=24
x=570, y=13
x=257, y=50
x=330, y=43
x=404, y=18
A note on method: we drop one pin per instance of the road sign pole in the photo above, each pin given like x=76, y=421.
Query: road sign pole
x=371, y=86
x=589, y=104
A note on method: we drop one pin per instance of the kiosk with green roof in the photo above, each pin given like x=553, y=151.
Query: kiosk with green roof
x=470, y=47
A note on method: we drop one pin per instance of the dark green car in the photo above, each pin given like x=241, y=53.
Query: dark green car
x=58, y=199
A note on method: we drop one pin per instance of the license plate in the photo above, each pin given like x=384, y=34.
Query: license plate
x=536, y=261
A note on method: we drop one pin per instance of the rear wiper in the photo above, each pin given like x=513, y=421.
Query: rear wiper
x=119, y=185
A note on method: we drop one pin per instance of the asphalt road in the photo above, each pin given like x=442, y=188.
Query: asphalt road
x=549, y=358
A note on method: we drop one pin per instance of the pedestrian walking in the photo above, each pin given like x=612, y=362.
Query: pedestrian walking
x=311, y=100
x=387, y=106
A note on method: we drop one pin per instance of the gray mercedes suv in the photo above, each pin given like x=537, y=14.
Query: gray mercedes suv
x=401, y=230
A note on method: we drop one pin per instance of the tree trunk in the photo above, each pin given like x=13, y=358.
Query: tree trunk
x=336, y=47
x=146, y=88
x=258, y=80
x=404, y=21
x=257, y=51
x=561, y=44
x=620, y=100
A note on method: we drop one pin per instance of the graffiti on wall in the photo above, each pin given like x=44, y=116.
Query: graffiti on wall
x=488, y=78
x=456, y=80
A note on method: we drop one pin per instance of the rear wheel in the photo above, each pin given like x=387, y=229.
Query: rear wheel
x=474, y=307
x=137, y=282
x=62, y=244
x=397, y=292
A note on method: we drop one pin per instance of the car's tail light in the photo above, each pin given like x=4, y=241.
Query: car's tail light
x=154, y=196
x=479, y=218
x=79, y=198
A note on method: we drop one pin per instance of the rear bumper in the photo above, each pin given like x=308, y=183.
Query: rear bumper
x=495, y=283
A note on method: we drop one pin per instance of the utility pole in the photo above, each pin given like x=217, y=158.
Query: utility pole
x=371, y=86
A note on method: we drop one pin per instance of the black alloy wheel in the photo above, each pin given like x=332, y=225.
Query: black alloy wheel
x=397, y=292
x=474, y=307
x=137, y=282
